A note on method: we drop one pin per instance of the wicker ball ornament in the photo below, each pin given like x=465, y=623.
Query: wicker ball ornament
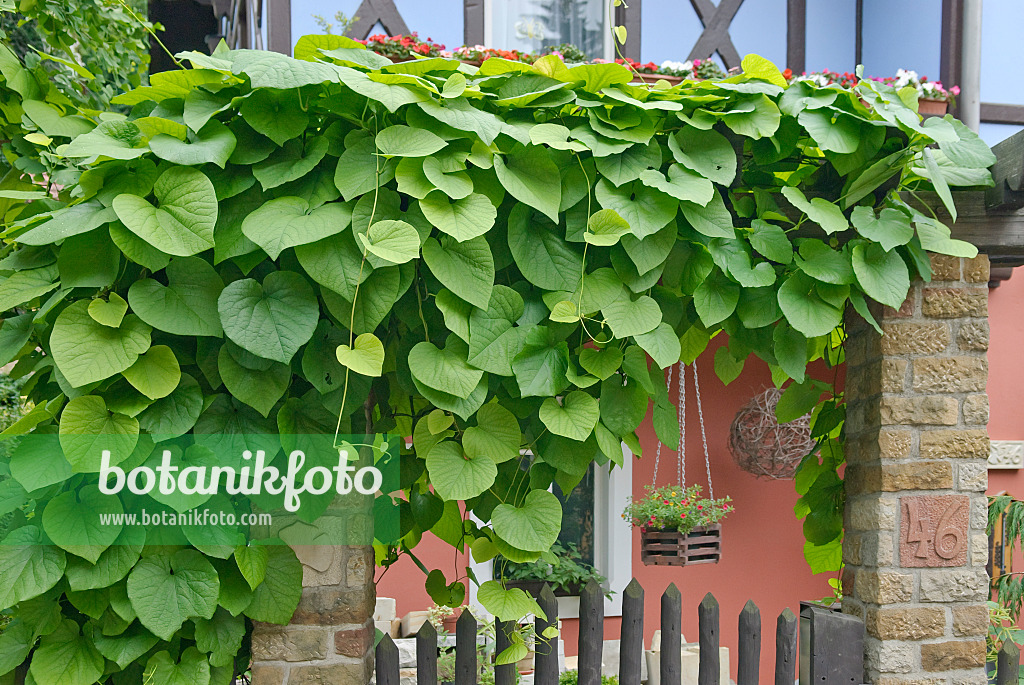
x=764, y=447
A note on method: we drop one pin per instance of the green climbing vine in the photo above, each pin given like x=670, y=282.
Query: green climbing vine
x=498, y=262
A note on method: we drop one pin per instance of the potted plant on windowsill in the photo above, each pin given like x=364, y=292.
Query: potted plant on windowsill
x=403, y=48
x=562, y=568
x=678, y=526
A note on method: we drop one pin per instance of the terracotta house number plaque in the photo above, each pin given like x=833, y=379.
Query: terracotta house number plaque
x=933, y=530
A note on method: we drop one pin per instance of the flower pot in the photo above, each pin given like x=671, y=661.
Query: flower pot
x=660, y=547
x=654, y=78
x=932, y=107
x=448, y=623
x=526, y=664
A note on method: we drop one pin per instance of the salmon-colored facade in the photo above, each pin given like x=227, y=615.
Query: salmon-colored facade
x=762, y=540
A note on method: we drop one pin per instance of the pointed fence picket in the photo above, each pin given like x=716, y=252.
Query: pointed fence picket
x=835, y=651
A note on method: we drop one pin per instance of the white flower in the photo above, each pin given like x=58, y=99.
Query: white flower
x=906, y=77
x=677, y=66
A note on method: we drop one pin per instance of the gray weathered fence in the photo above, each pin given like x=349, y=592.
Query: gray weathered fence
x=835, y=653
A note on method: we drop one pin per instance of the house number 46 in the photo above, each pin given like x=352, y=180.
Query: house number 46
x=933, y=530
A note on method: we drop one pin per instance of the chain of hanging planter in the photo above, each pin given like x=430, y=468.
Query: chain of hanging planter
x=699, y=544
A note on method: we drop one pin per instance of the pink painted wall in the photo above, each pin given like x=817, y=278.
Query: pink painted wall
x=762, y=541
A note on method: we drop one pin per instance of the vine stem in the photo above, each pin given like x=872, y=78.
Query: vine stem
x=355, y=294
x=151, y=32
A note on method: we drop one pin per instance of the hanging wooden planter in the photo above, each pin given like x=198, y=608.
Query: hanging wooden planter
x=702, y=545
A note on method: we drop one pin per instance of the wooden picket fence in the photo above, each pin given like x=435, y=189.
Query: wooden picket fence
x=835, y=652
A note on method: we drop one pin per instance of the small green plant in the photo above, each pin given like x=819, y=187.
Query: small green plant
x=1001, y=628
x=676, y=508
x=567, y=51
x=573, y=677
x=340, y=18
x=562, y=567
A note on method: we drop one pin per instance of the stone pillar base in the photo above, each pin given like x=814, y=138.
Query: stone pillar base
x=915, y=548
x=330, y=637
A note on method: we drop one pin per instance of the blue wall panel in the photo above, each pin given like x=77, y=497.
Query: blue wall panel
x=905, y=34
x=831, y=34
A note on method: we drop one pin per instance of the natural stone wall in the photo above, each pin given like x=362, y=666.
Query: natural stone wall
x=917, y=449
x=330, y=638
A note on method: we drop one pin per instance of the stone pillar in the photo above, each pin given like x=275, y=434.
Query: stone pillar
x=917, y=448
x=330, y=637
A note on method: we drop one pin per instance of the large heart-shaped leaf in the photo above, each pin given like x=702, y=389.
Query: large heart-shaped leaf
x=882, y=275
x=532, y=527
x=366, y=356
x=574, y=418
x=272, y=320
x=220, y=637
x=167, y=590
x=891, y=228
x=86, y=351
x=73, y=521
x=444, y=370
x=463, y=219
x=393, y=241
x=405, y=141
x=805, y=310
x=125, y=648
x=261, y=387
x=113, y=565
x=213, y=144
x=466, y=268
x=456, y=476
x=530, y=176
x=335, y=263
x=291, y=162
x=274, y=600
x=87, y=428
x=288, y=221
x=493, y=341
x=709, y=153
x=183, y=223
x=187, y=305
x=156, y=373
x=628, y=317
x=38, y=461
x=645, y=209
x=496, y=434
x=65, y=656
x=542, y=253
x=28, y=565
x=507, y=605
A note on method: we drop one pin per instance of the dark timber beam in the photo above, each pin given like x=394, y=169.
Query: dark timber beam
x=715, y=37
x=1008, y=173
x=796, y=35
x=372, y=11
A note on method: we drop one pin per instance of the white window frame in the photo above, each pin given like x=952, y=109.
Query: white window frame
x=608, y=45
x=613, y=540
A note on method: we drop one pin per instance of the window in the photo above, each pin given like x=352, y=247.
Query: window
x=531, y=25
x=603, y=534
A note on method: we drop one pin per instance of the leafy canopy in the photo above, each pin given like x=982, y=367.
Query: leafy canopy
x=502, y=272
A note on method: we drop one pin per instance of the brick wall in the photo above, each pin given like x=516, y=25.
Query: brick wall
x=915, y=547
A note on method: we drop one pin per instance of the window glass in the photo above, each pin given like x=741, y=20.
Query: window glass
x=531, y=25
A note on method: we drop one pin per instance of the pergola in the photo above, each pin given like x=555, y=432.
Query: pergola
x=915, y=547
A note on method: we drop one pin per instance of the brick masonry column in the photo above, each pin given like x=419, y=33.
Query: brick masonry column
x=330, y=637
x=915, y=548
